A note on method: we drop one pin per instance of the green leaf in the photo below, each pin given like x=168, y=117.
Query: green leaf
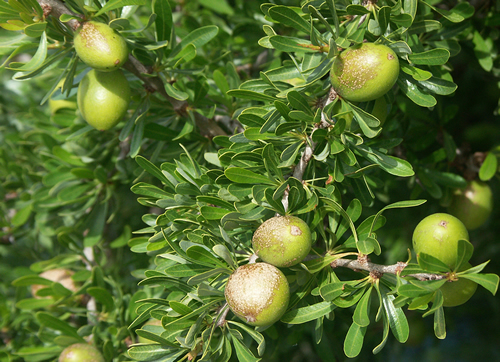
x=153, y=170
x=22, y=215
x=438, y=56
x=489, y=167
x=393, y=165
x=464, y=252
x=483, y=50
x=257, y=337
x=219, y=6
x=200, y=36
x=412, y=91
x=35, y=62
x=213, y=213
x=331, y=291
x=34, y=303
x=395, y=205
x=200, y=254
x=417, y=73
x=58, y=324
x=438, y=86
x=115, y=4
x=242, y=351
x=309, y=313
x=439, y=323
x=488, y=281
x=103, y=296
x=432, y=264
x=396, y=317
x=174, y=92
x=361, y=314
x=244, y=176
x=353, y=342
x=248, y=94
x=287, y=16
x=155, y=352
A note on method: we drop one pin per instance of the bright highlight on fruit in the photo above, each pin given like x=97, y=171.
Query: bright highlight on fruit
x=364, y=72
x=258, y=293
x=282, y=241
x=438, y=235
x=103, y=98
x=472, y=205
x=100, y=47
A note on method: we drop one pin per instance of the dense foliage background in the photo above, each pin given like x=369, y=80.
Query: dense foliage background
x=218, y=86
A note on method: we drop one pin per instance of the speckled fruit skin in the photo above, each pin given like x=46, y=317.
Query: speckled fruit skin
x=258, y=293
x=103, y=98
x=472, y=205
x=81, y=352
x=282, y=241
x=364, y=72
x=100, y=47
x=458, y=292
x=438, y=235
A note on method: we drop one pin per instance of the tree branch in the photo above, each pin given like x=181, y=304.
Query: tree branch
x=365, y=265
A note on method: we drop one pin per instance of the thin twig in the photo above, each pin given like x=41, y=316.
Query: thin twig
x=368, y=266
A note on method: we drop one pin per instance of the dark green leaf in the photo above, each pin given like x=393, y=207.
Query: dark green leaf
x=309, y=313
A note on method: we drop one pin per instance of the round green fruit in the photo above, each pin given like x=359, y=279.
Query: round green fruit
x=258, y=293
x=81, y=352
x=458, y=292
x=100, y=47
x=103, y=98
x=472, y=205
x=282, y=241
x=438, y=235
x=364, y=72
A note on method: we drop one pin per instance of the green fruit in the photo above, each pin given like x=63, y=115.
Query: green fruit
x=258, y=293
x=472, y=205
x=103, y=98
x=81, y=352
x=364, y=72
x=380, y=109
x=458, y=292
x=282, y=241
x=100, y=47
x=438, y=235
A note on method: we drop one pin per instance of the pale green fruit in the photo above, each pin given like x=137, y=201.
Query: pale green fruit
x=282, y=241
x=364, y=72
x=472, y=205
x=81, y=352
x=100, y=47
x=103, y=98
x=458, y=292
x=258, y=293
x=438, y=235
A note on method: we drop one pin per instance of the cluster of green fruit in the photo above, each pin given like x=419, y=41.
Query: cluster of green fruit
x=438, y=235
x=258, y=293
x=104, y=93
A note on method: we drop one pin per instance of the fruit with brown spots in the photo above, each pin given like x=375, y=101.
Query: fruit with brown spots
x=282, y=241
x=438, y=235
x=459, y=291
x=258, y=293
x=364, y=72
x=100, y=47
x=81, y=352
x=103, y=98
x=472, y=205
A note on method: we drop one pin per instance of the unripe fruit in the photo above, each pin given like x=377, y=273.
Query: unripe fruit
x=364, y=72
x=100, y=47
x=472, y=205
x=59, y=275
x=103, y=98
x=81, y=352
x=282, y=241
x=458, y=292
x=258, y=293
x=438, y=235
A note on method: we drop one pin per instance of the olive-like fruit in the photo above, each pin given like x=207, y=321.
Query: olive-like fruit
x=103, y=98
x=59, y=275
x=282, y=241
x=472, y=205
x=438, y=235
x=258, y=293
x=364, y=72
x=100, y=47
x=81, y=352
x=458, y=292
